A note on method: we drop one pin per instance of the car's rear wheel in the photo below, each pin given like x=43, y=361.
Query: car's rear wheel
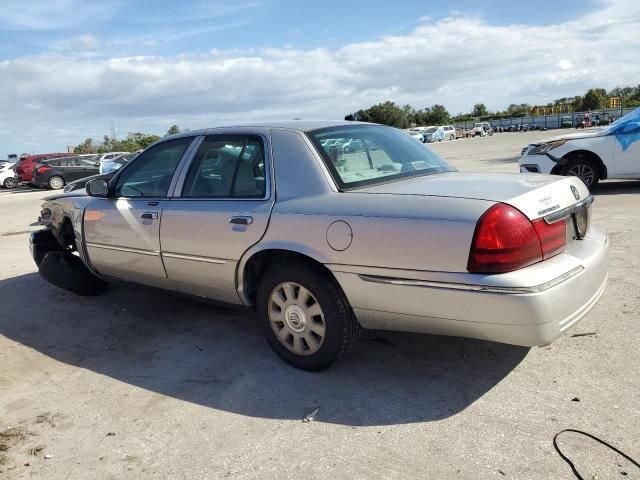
x=56, y=183
x=10, y=182
x=305, y=316
x=584, y=169
x=451, y=137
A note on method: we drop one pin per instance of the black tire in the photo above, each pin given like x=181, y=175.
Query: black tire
x=10, y=183
x=584, y=164
x=342, y=329
x=66, y=271
x=451, y=137
x=53, y=182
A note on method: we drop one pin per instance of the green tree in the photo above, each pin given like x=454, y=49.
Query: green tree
x=386, y=113
x=86, y=147
x=594, y=99
x=479, y=110
x=172, y=130
x=438, y=115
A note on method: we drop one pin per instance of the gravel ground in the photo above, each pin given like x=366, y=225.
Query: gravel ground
x=139, y=383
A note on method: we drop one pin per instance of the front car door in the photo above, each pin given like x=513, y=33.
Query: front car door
x=221, y=208
x=122, y=232
x=626, y=148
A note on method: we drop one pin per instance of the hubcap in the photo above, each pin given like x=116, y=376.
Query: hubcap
x=57, y=183
x=584, y=172
x=296, y=318
x=10, y=182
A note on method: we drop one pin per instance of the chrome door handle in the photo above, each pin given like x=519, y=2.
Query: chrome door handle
x=149, y=216
x=241, y=220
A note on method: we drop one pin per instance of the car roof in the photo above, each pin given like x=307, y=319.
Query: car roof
x=296, y=125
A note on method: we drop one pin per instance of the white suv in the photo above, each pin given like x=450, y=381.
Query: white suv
x=610, y=152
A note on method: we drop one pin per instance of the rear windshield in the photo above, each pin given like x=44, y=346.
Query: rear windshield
x=363, y=155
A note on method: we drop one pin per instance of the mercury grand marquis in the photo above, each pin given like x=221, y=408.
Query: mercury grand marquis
x=323, y=242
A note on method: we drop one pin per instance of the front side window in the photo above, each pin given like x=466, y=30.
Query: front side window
x=151, y=173
x=369, y=154
x=87, y=162
x=227, y=166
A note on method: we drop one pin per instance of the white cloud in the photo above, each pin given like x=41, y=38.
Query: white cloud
x=457, y=62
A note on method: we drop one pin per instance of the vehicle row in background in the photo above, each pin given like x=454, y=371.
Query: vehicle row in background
x=55, y=170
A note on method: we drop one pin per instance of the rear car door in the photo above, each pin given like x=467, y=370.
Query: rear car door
x=122, y=232
x=221, y=208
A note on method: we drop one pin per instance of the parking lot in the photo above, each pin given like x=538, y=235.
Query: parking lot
x=140, y=383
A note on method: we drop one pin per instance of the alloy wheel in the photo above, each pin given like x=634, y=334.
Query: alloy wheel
x=584, y=172
x=10, y=182
x=296, y=318
x=56, y=183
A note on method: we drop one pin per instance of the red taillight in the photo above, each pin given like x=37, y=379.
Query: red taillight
x=41, y=170
x=506, y=240
x=553, y=236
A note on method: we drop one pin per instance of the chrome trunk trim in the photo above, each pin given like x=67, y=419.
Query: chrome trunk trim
x=564, y=213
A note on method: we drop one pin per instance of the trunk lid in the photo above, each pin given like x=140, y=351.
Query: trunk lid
x=534, y=195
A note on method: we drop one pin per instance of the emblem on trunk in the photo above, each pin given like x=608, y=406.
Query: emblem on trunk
x=575, y=192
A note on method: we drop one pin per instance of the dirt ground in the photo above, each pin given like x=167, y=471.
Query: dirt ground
x=140, y=383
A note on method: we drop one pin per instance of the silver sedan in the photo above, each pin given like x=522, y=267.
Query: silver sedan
x=323, y=242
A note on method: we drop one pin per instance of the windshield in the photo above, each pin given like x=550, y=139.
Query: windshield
x=374, y=154
x=431, y=129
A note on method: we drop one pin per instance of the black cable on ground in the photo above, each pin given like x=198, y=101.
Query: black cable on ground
x=593, y=437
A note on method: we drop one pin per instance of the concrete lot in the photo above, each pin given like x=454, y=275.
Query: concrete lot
x=139, y=383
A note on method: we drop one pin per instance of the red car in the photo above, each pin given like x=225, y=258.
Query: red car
x=24, y=167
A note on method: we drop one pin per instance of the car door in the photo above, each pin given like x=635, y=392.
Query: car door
x=122, y=231
x=221, y=208
x=70, y=169
x=626, y=150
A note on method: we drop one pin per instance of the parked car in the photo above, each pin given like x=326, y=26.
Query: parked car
x=109, y=165
x=416, y=135
x=392, y=238
x=24, y=167
x=479, y=129
x=610, y=152
x=55, y=174
x=8, y=177
x=429, y=133
x=104, y=159
x=449, y=132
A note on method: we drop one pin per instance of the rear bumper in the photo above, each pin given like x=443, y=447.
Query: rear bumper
x=530, y=307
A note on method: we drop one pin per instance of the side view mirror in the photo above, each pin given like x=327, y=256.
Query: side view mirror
x=97, y=188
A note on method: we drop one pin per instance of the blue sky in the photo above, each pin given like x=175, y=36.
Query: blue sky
x=170, y=28
x=71, y=68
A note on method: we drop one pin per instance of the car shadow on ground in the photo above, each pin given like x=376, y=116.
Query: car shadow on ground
x=215, y=356
x=617, y=187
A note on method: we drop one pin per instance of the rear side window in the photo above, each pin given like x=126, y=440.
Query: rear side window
x=364, y=155
x=227, y=166
x=150, y=174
